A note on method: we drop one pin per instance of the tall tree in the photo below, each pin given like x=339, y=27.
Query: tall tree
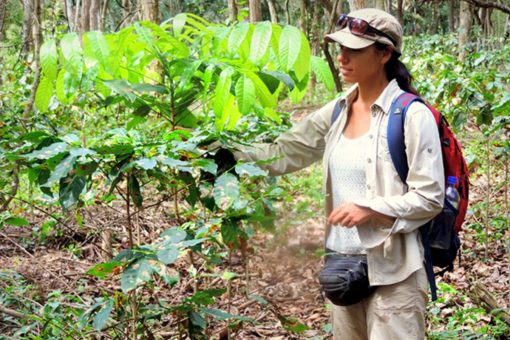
x=272, y=11
x=380, y=4
x=356, y=4
x=150, y=10
x=434, y=23
x=232, y=10
x=451, y=15
x=464, y=28
x=85, y=16
x=400, y=11
x=255, y=10
x=3, y=7
x=28, y=9
x=302, y=17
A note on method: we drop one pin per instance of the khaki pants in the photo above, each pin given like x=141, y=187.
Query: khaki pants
x=392, y=312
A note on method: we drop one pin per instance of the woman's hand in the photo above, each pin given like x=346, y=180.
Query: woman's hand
x=350, y=215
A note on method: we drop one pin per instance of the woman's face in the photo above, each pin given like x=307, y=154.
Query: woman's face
x=364, y=65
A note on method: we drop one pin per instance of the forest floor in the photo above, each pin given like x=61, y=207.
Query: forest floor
x=276, y=287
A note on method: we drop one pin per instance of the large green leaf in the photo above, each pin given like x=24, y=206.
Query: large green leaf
x=48, y=56
x=122, y=87
x=178, y=23
x=61, y=171
x=302, y=65
x=265, y=96
x=222, y=91
x=43, y=94
x=226, y=191
x=72, y=54
x=237, y=36
x=101, y=270
x=289, y=47
x=103, y=315
x=173, y=235
x=134, y=191
x=138, y=272
x=48, y=151
x=245, y=94
x=70, y=191
x=168, y=254
x=322, y=71
x=260, y=41
x=16, y=221
x=98, y=47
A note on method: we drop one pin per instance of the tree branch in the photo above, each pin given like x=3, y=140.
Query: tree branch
x=490, y=4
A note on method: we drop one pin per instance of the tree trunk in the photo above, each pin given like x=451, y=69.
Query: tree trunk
x=464, y=28
x=150, y=10
x=69, y=13
x=389, y=9
x=435, y=17
x=380, y=4
x=232, y=10
x=85, y=16
x=94, y=15
x=38, y=40
x=255, y=11
x=451, y=16
x=102, y=16
x=27, y=26
x=356, y=4
x=3, y=6
x=302, y=19
x=287, y=12
x=272, y=11
x=400, y=12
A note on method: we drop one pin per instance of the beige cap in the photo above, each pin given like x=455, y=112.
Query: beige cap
x=376, y=18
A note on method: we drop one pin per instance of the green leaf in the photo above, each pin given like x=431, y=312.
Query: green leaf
x=249, y=169
x=302, y=65
x=245, y=93
x=266, y=98
x=218, y=314
x=197, y=320
x=289, y=47
x=102, y=316
x=207, y=165
x=61, y=171
x=122, y=87
x=48, y=151
x=136, y=273
x=146, y=163
x=43, y=94
x=134, y=191
x=99, y=47
x=222, y=91
x=101, y=270
x=168, y=254
x=173, y=235
x=60, y=87
x=48, y=57
x=226, y=190
x=69, y=192
x=237, y=37
x=16, y=221
x=72, y=54
x=260, y=41
x=178, y=23
x=322, y=71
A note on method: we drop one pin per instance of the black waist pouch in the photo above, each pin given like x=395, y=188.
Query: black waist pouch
x=344, y=279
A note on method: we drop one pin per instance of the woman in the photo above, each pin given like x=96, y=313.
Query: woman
x=370, y=210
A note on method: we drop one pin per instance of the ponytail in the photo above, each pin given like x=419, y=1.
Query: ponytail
x=395, y=69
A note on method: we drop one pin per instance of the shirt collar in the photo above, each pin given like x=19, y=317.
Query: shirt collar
x=383, y=101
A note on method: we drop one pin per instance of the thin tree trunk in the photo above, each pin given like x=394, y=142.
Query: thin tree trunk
x=389, y=8
x=435, y=17
x=27, y=26
x=302, y=19
x=380, y=4
x=272, y=11
x=232, y=10
x=356, y=4
x=150, y=10
x=94, y=15
x=85, y=16
x=451, y=16
x=38, y=39
x=325, y=49
x=464, y=28
x=69, y=13
x=287, y=12
x=400, y=11
x=102, y=16
x=255, y=11
x=3, y=6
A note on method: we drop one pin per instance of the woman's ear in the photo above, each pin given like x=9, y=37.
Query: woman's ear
x=386, y=54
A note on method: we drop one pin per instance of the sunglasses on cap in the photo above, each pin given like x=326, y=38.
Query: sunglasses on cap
x=361, y=27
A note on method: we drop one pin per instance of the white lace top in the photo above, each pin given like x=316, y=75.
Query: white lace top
x=348, y=182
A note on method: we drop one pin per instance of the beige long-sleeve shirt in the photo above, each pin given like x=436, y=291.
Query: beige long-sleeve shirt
x=393, y=251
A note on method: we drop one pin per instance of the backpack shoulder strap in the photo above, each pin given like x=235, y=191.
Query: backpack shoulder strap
x=336, y=112
x=396, y=140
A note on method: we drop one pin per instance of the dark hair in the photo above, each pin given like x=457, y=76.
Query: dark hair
x=395, y=69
